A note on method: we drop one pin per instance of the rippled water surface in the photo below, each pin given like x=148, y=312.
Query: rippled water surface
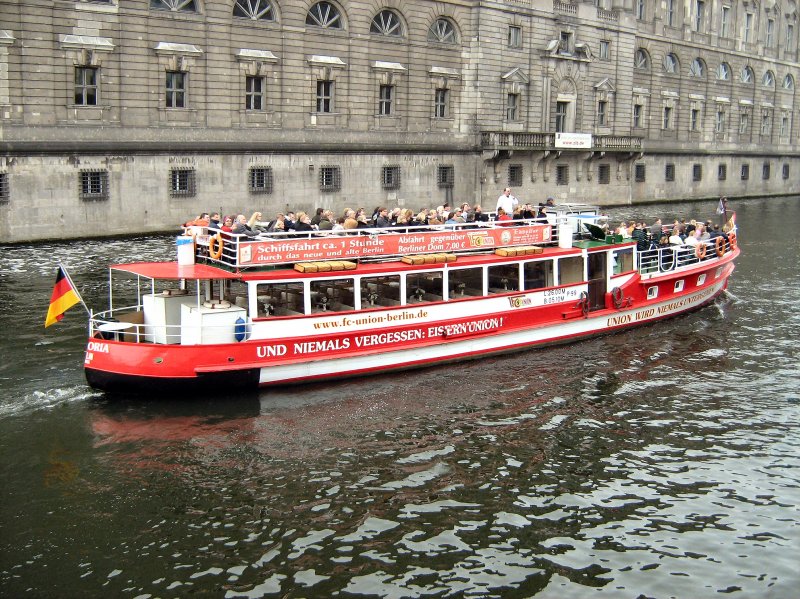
x=660, y=462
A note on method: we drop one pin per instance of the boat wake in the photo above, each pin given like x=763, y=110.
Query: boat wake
x=45, y=400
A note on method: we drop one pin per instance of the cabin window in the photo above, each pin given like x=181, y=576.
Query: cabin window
x=538, y=274
x=678, y=286
x=424, y=287
x=652, y=292
x=235, y=292
x=503, y=278
x=623, y=261
x=380, y=291
x=334, y=295
x=465, y=282
x=280, y=299
x=570, y=270
x=701, y=279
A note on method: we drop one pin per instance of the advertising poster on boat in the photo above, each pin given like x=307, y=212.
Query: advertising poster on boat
x=350, y=246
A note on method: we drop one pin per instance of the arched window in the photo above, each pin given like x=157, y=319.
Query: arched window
x=174, y=5
x=697, y=68
x=641, y=60
x=386, y=22
x=442, y=31
x=788, y=82
x=324, y=14
x=670, y=63
x=768, y=80
x=723, y=71
x=257, y=10
x=747, y=75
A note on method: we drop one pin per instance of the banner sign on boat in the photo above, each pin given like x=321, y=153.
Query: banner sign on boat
x=353, y=246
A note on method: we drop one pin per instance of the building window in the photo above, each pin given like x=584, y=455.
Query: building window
x=789, y=46
x=784, y=125
x=602, y=113
x=670, y=63
x=694, y=117
x=94, y=185
x=641, y=60
x=174, y=5
x=512, y=101
x=176, y=89
x=325, y=15
x=770, y=38
x=745, y=172
x=514, y=36
x=667, y=121
x=441, y=108
x=259, y=179
x=640, y=12
x=748, y=27
x=443, y=32
x=445, y=176
x=784, y=173
x=182, y=182
x=565, y=42
x=604, y=174
x=5, y=194
x=256, y=10
x=605, y=50
x=719, y=124
x=669, y=172
x=788, y=83
x=722, y=172
x=747, y=75
x=390, y=178
x=766, y=123
x=725, y=21
x=385, y=101
x=697, y=68
x=324, y=95
x=723, y=71
x=639, y=173
x=562, y=174
x=768, y=80
x=699, y=14
x=670, y=13
x=638, y=110
x=254, y=93
x=744, y=122
x=697, y=172
x=386, y=22
x=330, y=178
x=515, y=175
x=561, y=116
x=765, y=171
x=85, y=86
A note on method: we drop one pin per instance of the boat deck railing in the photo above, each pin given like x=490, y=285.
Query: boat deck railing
x=668, y=258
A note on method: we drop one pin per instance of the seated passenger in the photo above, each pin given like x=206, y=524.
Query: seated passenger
x=213, y=223
x=227, y=224
x=303, y=224
x=480, y=216
x=675, y=238
x=240, y=227
x=503, y=219
x=254, y=224
x=383, y=221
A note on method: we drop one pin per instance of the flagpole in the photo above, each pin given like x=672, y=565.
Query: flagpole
x=74, y=288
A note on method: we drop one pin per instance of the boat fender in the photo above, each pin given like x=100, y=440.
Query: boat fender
x=216, y=304
x=215, y=245
x=719, y=244
x=617, y=297
x=700, y=250
x=732, y=240
x=240, y=329
x=583, y=304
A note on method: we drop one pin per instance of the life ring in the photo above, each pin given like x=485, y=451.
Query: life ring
x=215, y=245
x=216, y=304
x=584, y=304
x=173, y=292
x=617, y=297
x=732, y=240
x=719, y=246
x=700, y=250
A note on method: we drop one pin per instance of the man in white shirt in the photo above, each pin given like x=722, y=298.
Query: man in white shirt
x=507, y=202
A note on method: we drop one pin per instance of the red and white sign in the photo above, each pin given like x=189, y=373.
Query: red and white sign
x=387, y=244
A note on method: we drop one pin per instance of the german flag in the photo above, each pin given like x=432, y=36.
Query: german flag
x=64, y=297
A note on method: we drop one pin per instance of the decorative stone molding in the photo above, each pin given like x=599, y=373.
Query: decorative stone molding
x=256, y=63
x=176, y=57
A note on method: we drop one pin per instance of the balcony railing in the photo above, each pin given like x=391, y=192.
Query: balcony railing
x=505, y=140
x=565, y=7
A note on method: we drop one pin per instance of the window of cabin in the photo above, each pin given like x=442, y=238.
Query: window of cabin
x=380, y=291
x=334, y=295
x=537, y=275
x=570, y=270
x=465, y=282
x=503, y=278
x=280, y=299
x=623, y=261
x=424, y=287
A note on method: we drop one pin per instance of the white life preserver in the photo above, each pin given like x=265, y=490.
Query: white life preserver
x=216, y=304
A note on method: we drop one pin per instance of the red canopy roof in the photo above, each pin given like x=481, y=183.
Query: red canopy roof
x=173, y=270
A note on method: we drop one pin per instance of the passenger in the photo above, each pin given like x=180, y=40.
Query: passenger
x=201, y=220
x=550, y=202
x=303, y=224
x=382, y=221
x=290, y=221
x=640, y=236
x=363, y=222
x=503, y=219
x=527, y=212
x=704, y=234
x=240, y=227
x=507, y=202
x=541, y=213
x=278, y=225
x=255, y=224
x=338, y=227
x=480, y=215
x=692, y=238
x=317, y=216
x=213, y=222
x=675, y=238
x=422, y=218
x=227, y=224
x=325, y=221
x=350, y=224
x=622, y=230
x=656, y=230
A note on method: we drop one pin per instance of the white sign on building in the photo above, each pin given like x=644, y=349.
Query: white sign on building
x=574, y=140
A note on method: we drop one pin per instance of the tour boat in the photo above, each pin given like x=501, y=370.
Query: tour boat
x=242, y=313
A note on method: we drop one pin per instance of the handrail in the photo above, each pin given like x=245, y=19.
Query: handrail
x=669, y=258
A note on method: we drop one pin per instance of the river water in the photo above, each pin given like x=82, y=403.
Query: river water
x=659, y=462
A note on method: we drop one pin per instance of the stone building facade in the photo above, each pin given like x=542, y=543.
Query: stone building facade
x=122, y=116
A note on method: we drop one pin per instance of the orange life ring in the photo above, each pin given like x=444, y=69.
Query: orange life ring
x=719, y=244
x=215, y=246
x=732, y=240
x=700, y=250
